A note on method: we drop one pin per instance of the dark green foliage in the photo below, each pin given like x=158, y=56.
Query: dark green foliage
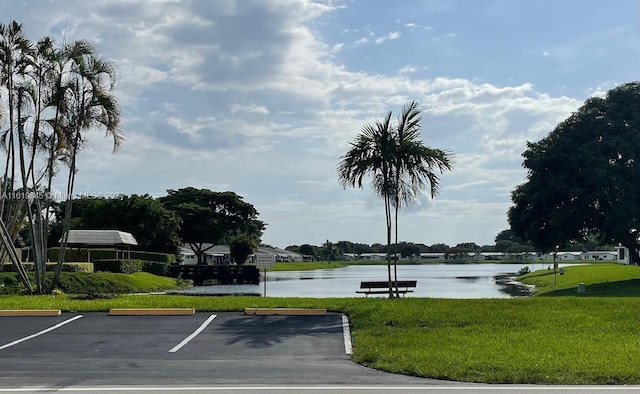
x=105, y=254
x=123, y=266
x=66, y=267
x=241, y=246
x=213, y=218
x=9, y=283
x=306, y=249
x=584, y=177
x=160, y=269
x=129, y=266
x=155, y=257
x=154, y=227
x=411, y=251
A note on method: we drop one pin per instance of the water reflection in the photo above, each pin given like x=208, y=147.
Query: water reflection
x=434, y=280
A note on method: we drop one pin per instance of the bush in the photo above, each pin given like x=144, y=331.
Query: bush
x=152, y=256
x=50, y=267
x=118, y=266
x=152, y=267
x=523, y=270
x=9, y=283
x=109, y=254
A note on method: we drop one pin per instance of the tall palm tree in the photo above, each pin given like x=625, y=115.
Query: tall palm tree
x=416, y=166
x=15, y=51
x=371, y=154
x=86, y=102
x=400, y=166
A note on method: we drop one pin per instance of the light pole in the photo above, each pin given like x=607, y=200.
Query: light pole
x=555, y=267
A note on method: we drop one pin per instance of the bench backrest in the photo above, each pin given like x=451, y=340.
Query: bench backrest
x=385, y=284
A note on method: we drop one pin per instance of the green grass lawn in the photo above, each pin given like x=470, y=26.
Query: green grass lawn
x=604, y=279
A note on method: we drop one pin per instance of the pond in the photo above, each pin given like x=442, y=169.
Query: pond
x=434, y=280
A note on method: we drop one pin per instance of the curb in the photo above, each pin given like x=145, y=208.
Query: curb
x=284, y=312
x=30, y=312
x=152, y=312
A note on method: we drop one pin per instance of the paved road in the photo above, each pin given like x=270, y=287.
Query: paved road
x=101, y=350
x=207, y=352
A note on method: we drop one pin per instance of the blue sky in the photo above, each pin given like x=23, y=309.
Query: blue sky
x=262, y=98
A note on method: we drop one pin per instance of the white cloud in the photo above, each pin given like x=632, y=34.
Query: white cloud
x=408, y=69
x=253, y=108
x=267, y=111
x=394, y=35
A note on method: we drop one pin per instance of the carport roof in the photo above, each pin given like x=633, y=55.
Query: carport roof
x=100, y=238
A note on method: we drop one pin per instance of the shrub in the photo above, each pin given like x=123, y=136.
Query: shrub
x=523, y=270
x=50, y=267
x=123, y=266
x=155, y=268
x=152, y=256
x=109, y=254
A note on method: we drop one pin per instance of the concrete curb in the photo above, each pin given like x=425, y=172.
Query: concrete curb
x=152, y=312
x=284, y=311
x=30, y=312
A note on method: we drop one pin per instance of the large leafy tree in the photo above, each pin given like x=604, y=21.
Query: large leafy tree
x=208, y=218
x=398, y=163
x=154, y=227
x=584, y=177
x=241, y=246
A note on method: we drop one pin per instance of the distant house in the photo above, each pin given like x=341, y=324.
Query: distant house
x=349, y=256
x=373, y=256
x=218, y=254
x=279, y=255
x=433, y=256
x=604, y=255
x=494, y=255
x=221, y=254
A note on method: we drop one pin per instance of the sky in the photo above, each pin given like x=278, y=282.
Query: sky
x=263, y=97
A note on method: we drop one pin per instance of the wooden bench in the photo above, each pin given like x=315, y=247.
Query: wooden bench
x=382, y=287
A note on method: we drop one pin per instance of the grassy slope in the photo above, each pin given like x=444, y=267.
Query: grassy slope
x=606, y=279
x=99, y=283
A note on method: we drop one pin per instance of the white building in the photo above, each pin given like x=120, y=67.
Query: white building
x=433, y=256
x=623, y=255
x=218, y=254
x=604, y=255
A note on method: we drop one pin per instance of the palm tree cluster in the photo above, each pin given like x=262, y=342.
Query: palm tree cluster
x=400, y=165
x=50, y=97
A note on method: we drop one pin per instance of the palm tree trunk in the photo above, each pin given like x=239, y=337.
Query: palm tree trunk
x=395, y=253
x=66, y=226
x=387, y=208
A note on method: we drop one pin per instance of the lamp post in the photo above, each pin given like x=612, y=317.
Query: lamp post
x=555, y=267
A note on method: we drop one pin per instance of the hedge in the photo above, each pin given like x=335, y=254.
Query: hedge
x=72, y=254
x=129, y=266
x=66, y=267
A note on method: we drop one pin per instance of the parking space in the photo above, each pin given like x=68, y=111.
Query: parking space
x=204, y=348
x=228, y=335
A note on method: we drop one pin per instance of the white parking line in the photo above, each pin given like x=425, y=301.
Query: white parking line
x=346, y=331
x=40, y=333
x=193, y=335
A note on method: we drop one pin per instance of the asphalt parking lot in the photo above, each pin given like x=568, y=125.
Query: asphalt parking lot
x=206, y=348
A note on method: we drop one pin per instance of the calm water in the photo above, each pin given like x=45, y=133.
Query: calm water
x=434, y=280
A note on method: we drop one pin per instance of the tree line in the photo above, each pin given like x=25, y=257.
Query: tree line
x=505, y=242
